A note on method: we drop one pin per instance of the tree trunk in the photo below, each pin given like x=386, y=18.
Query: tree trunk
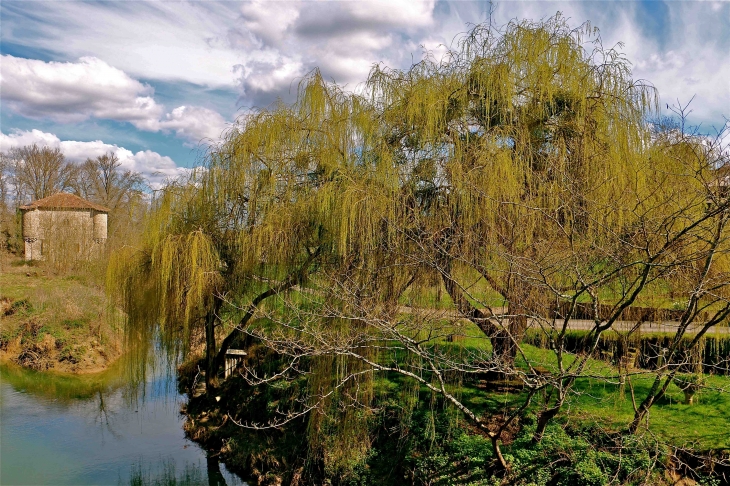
x=544, y=418
x=643, y=409
x=211, y=369
x=498, y=451
x=640, y=415
x=518, y=297
x=506, y=341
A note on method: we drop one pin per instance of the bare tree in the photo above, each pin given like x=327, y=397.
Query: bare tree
x=103, y=180
x=5, y=175
x=701, y=284
x=7, y=213
x=40, y=171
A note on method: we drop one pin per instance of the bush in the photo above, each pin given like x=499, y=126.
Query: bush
x=581, y=455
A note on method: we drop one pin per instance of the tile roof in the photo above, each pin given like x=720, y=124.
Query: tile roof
x=64, y=200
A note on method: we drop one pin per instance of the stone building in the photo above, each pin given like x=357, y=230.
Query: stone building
x=63, y=226
x=723, y=179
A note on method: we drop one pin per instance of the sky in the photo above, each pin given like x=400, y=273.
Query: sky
x=158, y=82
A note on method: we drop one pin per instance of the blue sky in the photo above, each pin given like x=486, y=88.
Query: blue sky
x=154, y=81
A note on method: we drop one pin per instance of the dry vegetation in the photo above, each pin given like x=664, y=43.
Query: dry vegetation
x=56, y=321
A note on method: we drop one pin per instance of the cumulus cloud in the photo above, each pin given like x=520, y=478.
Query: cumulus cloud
x=194, y=123
x=262, y=48
x=22, y=138
x=345, y=39
x=75, y=91
x=264, y=80
x=267, y=23
x=71, y=92
x=154, y=167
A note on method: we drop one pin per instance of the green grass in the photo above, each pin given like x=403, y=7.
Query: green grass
x=67, y=320
x=600, y=399
x=703, y=425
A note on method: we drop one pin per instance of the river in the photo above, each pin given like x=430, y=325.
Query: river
x=79, y=430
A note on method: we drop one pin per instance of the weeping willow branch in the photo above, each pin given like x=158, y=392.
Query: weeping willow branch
x=521, y=175
x=294, y=279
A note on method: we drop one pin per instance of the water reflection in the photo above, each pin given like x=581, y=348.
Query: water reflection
x=61, y=429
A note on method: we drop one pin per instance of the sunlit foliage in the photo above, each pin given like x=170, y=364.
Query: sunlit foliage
x=523, y=161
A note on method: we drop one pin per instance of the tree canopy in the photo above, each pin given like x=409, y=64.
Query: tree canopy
x=521, y=174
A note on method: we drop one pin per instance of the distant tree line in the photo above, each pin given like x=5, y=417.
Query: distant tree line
x=34, y=172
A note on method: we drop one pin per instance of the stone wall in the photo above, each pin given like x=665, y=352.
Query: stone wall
x=63, y=234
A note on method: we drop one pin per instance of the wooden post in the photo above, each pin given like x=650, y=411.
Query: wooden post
x=233, y=359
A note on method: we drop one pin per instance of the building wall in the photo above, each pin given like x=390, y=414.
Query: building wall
x=63, y=234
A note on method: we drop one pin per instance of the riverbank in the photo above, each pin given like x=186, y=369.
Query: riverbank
x=57, y=322
x=411, y=436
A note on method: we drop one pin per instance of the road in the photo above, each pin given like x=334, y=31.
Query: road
x=647, y=327
x=669, y=327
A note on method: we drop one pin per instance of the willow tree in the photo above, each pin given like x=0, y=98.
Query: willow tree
x=521, y=166
x=252, y=224
x=519, y=147
x=524, y=165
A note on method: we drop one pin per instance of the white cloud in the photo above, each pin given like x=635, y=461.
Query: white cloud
x=169, y=41
x=343, y=19
x=345, y=39
x=269, y=23
x=258, y=46
x=276, y=76
x=399, y=13
x=194, y=123
x=22, y=138
x=154, y=167
x=71, y=92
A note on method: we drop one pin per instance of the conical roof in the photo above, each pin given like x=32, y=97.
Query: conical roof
x=64, y=200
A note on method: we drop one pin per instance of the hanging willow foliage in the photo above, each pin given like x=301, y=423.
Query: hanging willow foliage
x=522, y=160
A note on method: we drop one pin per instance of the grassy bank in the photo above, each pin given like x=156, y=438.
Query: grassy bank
x=711, y=355
x=416, y=438
x=57, y=321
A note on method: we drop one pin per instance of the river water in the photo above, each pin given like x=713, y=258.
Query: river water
x=79, y=430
